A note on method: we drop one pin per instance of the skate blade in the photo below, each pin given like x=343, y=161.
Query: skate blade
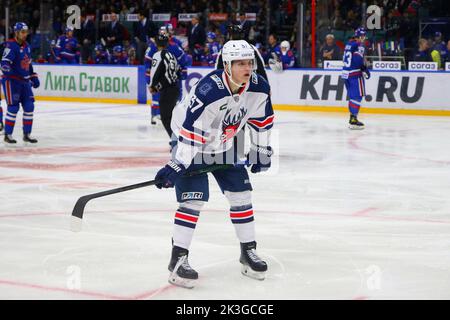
x=249, y=272
x=354, y=127
x=11, y=145
x=182, y=282
x=29, y=144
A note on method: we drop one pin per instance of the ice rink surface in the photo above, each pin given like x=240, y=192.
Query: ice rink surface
x=343, y=214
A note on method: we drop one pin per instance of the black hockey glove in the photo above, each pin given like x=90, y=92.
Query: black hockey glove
x=259, y=158
x=168, y=175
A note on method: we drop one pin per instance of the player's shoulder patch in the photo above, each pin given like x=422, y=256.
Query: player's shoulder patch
x=204, y=88
x=258, y=84
x=10, y=43
x=211, y=88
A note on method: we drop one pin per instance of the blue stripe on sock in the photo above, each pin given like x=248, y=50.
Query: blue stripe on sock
x=242, y=220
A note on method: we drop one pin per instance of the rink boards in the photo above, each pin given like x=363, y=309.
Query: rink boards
x=398, y=92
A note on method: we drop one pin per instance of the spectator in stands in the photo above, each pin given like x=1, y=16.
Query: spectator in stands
x=132, y=58
x=196, y=38
x=86, y=37
x=143, y=30
x=114, y=32
x=330, y=50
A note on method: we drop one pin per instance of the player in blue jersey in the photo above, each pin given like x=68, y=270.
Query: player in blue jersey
x=441, y=47
x=2, y=47
x=354, y=72
x=213, y=48
x=66, y=48
x=172, y=37
x=51, y=55
x=148, y=62
x=287, y=58
x=205, y=125
x=119, y=56
x=18, y=78
x=101, y=55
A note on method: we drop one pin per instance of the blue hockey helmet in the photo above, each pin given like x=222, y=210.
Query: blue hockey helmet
x=98, y=47
x=19, y=26
x=211, y=35
x=360, y=32
x=118, y=49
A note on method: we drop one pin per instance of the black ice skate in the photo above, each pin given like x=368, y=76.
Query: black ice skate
x=27, y=138
x=252, y=265
x=354, y=124
x=9, y=139
x=182, y=274
x=1, y=126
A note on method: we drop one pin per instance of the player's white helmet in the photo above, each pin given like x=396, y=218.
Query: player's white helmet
x=285, y=44
x=237, y=50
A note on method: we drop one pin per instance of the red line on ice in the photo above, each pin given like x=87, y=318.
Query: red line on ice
x=364, y=215
x=144, y=295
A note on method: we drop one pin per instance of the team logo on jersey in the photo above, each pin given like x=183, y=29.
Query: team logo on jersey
x=25, y=63
x=231, y=123
x=192, y=196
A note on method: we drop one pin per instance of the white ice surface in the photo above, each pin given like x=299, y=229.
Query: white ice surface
x=344, y=214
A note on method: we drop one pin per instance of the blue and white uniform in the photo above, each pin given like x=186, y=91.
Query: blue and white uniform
x=101, y=55
x=353, y=69
x=119, y=57
x=66, y=49
x=18, y=77
x=205, y=124
x=208, y=119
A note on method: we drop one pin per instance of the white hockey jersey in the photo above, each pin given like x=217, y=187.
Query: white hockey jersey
x=210, y=116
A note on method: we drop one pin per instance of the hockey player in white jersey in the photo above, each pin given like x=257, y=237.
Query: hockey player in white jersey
x=205, y=124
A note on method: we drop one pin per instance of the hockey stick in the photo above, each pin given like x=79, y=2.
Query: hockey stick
x=78, y=210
